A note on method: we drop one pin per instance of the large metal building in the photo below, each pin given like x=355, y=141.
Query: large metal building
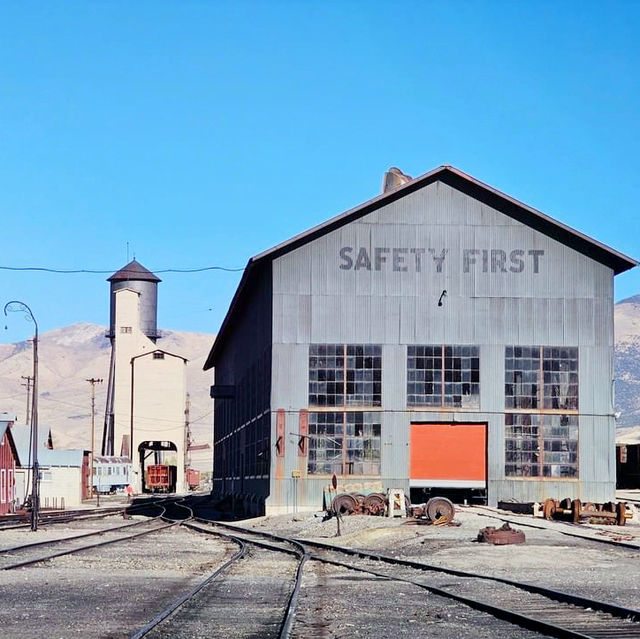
x=442, y=335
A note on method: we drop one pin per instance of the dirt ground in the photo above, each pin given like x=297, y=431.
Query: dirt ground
x=111, y=592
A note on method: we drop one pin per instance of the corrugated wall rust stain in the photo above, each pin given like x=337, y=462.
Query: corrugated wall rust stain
x=303, y=431
x=280, y=442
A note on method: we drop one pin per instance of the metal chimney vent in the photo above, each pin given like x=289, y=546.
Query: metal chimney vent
x=394, y=178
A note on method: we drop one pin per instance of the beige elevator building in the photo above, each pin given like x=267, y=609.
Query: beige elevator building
x=146, y=393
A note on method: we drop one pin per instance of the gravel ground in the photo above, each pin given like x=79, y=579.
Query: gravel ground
x=112, y=592
x=108, y=592
x=247, y=600
x=548, y=557
x=337, y=602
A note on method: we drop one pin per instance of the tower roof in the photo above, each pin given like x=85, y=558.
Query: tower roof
x=134, y=271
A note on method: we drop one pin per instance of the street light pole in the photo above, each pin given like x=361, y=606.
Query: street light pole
x=17, y=306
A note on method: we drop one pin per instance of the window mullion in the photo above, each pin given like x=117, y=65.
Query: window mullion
x=344, y=406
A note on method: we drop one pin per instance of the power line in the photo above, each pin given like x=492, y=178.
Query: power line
x=70, y=271
x=142, y=417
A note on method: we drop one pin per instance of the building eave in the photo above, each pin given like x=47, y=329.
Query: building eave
x=458, y=180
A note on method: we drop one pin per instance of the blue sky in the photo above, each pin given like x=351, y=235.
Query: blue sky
x=204, y=132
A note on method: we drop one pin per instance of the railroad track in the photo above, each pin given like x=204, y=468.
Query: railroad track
x=15, y=522
x=518, y=521
x=240, y=596
x=544, y=610
x=32, y=553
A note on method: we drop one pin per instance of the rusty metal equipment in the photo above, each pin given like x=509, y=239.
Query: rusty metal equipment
x=438, y=510
x=344, y=504
x=576, y=512
x=501, y=536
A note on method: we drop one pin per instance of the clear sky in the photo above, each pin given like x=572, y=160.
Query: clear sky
x=204, y=132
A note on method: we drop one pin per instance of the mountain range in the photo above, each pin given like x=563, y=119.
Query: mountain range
x=69, y=356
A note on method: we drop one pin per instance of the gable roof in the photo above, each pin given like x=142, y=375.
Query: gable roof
x=5, y=428
x=458, y=180
x=46, y=456
x=133, y=271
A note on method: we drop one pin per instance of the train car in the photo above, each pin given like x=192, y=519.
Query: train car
x=111, y=474
x=193, y=478
x=160, y=478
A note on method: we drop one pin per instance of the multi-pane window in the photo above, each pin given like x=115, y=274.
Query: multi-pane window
x=545, y=443
x=541, y=377
x=541, y=445
x=443, y=376
x=344, y=443
x=345, y=375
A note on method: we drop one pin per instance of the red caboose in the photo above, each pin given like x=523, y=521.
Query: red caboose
x=160, y=478
x=193, y=478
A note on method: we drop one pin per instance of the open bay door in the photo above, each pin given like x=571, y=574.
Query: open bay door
x=448, y=456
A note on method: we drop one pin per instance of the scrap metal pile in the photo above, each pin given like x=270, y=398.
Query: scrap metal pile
x=502, y=536
x=576, y=511
x=438, y=510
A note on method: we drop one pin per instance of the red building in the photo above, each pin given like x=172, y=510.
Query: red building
x=8, y=463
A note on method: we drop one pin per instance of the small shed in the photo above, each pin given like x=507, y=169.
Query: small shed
x=8, y=462
x=64, y=474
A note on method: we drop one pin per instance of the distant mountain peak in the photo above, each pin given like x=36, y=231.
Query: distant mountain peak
x=634, y=299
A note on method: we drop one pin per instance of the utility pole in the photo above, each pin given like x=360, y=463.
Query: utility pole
x=187, y=433
x=28, y=379
x=93, y=381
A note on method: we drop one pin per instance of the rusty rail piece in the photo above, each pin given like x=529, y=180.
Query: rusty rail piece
x=54, y=542
x=172, y=607
x=584, y=605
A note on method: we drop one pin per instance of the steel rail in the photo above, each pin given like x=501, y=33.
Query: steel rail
x=554, y=595
x=71, y=551
x=499, y=613
x=177, y=503
x=518, y=522
x=57, y=518
x=94, y=533
x=300, y=552
x=160, y=617
x=510, y=616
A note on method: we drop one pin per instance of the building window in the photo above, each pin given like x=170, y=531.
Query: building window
x=541, y=377
x=545, y=443
x=442, y=376
x=344, y=443
x=541, y=445
x=158, y=355
x=126, y=329
x=345, y=375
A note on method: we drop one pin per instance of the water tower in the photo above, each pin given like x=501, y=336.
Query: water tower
x=123, y=326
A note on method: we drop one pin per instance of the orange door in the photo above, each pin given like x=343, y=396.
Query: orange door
x=448, y=455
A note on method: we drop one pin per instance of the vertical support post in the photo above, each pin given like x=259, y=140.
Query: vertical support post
x=35, y=506
x=93, y=381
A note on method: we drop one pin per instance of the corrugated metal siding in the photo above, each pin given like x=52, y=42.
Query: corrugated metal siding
x=249, y=341
x=568, y=302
